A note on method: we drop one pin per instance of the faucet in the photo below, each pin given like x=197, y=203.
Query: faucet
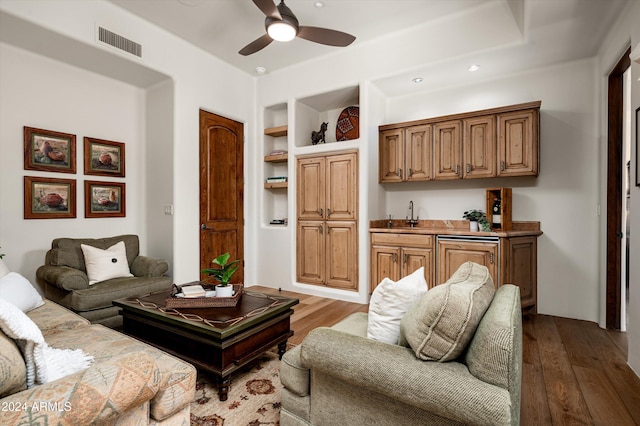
x=412, y=222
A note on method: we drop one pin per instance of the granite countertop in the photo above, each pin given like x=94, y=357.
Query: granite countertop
x=450, y=227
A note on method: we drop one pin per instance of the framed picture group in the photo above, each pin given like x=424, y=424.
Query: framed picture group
x=55, y=198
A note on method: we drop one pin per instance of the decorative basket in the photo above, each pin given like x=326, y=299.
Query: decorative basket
x=203, y=302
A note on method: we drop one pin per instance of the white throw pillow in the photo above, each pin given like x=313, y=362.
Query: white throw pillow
x=106, y=264
x=389, y=302
x=3, y=269
x=16, y=289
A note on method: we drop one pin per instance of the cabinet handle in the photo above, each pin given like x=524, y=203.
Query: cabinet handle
x=468, y=168
x=491, y=258
x=405, y=257
x=328, y=212
x=502, y=166
x=457, y=169
x=395, y=257
x=320, y=228
x=410, y=173
x=320, y=212
x=400, y=173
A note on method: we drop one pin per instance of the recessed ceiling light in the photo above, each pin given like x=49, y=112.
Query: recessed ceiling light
x=260, y=70
x=318, y=4
x=417, y=80
x=474, y=67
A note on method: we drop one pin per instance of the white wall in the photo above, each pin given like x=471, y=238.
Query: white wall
x=562, y=198
x=43, y=93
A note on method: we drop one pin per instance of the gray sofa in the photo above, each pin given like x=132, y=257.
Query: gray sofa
x=65, y=280
x=338, y=376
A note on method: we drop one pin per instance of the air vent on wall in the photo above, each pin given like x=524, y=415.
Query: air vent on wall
x=119, y=42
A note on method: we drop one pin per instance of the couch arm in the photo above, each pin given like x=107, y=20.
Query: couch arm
x=144, y=266
x=96, y=395
x=63, y=277
x=445, y=389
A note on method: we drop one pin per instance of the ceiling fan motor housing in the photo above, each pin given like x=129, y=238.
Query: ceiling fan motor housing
x=287, y=17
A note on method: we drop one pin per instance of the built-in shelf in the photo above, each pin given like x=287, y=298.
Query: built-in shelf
x=276, y=185
x=280, y=158
x=277, y=132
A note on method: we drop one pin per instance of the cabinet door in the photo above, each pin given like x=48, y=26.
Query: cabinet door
x=385, y=262
x=447, y=146
x=521, y=267
x=419, y=153
x=415, y=258
x=479, y=147
x=341, y=255
x=310, y=190
x=518, y=143
x=311, y=252
x=391, y=152
x=452, y=254
x=341, y=188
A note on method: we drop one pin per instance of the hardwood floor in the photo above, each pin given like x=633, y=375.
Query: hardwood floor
x=573, y=372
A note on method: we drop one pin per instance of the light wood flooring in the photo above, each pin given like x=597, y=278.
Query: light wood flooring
x=573, y=373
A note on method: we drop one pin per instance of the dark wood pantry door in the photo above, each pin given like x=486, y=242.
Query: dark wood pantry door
x=221, y=190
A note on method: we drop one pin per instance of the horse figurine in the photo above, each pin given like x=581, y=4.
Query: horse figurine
x=319, y=135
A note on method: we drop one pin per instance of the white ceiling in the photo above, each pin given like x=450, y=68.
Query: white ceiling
x=533, y=32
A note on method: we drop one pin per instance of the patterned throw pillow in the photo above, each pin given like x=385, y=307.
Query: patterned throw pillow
x=389, y=302
x=441, y=324
x=106, y=264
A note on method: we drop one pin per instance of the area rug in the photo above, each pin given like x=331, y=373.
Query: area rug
x=254, y=396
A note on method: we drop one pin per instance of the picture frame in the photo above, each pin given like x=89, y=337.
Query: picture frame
x=49, y=198
x=104, y=199
x=103, y=158
x=637, y=146
x=49, y=151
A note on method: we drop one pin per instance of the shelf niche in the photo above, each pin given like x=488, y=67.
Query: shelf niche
x=312, y=111
x=275, y=195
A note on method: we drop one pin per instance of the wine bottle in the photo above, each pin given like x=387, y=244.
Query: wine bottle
x=496, y=221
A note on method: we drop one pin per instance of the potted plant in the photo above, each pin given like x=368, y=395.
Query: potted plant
x=475, y=218
x=223, y=274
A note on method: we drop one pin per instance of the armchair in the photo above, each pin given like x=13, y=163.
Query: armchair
x=339, y=376
x=65, y=280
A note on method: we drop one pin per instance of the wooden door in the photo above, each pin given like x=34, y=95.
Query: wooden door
x=415, y=258
x=419, y=153
x=341, y=176
x=221, y=190
x=341, y=255
x=452, y=254
x=384, y=263
x=518, y=143
x=310, y=191
x=311, y=252
x=447, y=147
x=479, y=147
x=391, y=151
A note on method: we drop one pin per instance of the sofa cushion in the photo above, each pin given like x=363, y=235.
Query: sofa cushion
x=106, y=264
x=52, y=318
x=16, y=289
x=441, y=324
x=67, y=251
x=13, y=371
x=389, y=302
x=293, y=375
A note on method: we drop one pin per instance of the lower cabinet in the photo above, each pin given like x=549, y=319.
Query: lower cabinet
x=510, y=260
x=327, y=254
x=398, y=255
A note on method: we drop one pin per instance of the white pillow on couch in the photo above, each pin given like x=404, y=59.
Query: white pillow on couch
x=16, y=289
x=106, y=264
x=389, y=302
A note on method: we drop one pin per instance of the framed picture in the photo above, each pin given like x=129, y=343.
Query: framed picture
x=48, y=198
x=104, y=199
x=49, y=151
x=637, y=146
x=103, y=158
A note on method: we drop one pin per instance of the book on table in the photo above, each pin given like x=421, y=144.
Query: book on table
x=193, y=291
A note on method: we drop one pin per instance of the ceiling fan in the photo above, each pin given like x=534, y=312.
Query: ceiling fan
x=282, y=25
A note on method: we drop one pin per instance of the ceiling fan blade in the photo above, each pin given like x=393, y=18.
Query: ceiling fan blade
x=326, y=36
x=269, y=8
x=256, y=45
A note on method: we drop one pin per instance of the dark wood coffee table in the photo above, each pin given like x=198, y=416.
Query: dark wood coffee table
x=219, y=340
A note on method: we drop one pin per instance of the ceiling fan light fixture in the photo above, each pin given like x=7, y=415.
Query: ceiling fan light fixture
x=281, y=31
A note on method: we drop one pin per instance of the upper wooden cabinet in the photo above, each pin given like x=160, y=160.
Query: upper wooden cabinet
x=406, y=154
x=482, y=144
